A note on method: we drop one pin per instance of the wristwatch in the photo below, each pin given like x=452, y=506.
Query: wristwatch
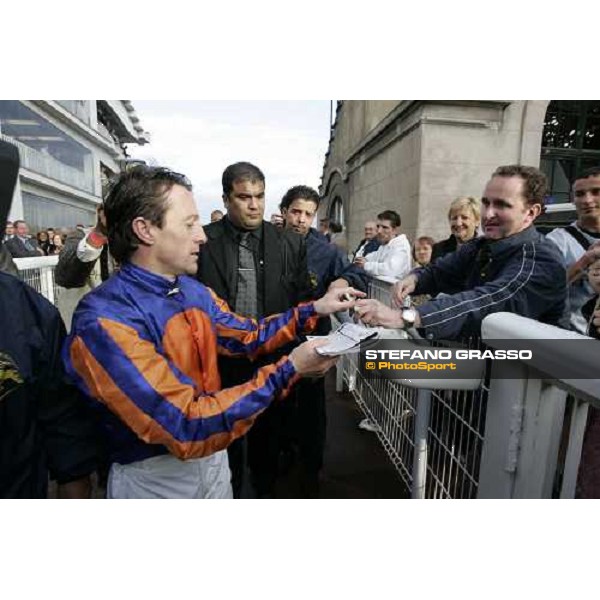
x=409, y=316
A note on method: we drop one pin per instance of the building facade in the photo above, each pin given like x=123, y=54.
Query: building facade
x=416, y=156
x=68, y=149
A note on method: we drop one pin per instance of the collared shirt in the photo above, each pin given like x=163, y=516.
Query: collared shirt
x=233, y=236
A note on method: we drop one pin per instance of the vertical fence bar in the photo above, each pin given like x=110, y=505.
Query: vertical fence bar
x=47, y=276
x=579, y=413
x=339, y=375
x=420, y=455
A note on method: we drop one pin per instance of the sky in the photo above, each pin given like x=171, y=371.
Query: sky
x=286, y=140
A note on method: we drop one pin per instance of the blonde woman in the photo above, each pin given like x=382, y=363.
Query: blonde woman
x=464, y=217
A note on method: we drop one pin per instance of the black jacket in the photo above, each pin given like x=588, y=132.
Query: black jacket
x=17, y=248
x=71, y=272
x=444, y=247
x=285, y=278
x=44, y=424
x=285, y=273
x=7, y=264
x=370, y=246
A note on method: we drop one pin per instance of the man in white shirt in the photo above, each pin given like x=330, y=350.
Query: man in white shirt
x=392, y=260
x=579, y=244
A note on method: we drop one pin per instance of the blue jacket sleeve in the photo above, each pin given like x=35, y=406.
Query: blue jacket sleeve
x=533, y=285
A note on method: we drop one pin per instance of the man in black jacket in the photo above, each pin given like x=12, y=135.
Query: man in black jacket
x=259, y=270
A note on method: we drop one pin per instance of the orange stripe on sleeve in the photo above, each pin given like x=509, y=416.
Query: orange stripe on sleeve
x=104, y=389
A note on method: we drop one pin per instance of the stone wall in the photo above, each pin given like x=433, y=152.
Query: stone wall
x=417, y=156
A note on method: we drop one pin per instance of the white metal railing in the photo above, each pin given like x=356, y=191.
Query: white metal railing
x=532, y=412
x=45, y=164
x=432, y=431
x=38, y=272
x=473, y=439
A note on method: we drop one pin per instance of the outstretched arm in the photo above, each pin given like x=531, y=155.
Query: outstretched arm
x=238, y=335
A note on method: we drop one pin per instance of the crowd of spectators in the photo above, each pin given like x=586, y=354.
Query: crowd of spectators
x=22, y=244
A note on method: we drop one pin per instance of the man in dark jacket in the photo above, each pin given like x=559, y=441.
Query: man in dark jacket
x=44, y=426
x=328, y=266
x=369, y=243
x=21, y=245
x=511, y=268
x=259, y=270
x=83, y=254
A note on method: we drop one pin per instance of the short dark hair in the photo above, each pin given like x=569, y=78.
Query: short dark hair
x=241, y=171
x=297, y=192
x=16, y=223
x=141, y=191
x=392, y=216
x=335, y=227
x=535, y=183
x=590, y=172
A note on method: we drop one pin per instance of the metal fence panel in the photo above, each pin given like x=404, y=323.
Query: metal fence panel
x=443, y=460
x=38, y=272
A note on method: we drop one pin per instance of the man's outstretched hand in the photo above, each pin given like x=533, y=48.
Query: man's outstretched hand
x=337, y=299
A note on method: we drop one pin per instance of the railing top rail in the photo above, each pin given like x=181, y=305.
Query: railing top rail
x=548, y=360
x=36, y=262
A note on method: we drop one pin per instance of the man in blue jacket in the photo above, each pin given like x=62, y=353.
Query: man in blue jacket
x=45, y=429
x=327, y=267
x=511, y=268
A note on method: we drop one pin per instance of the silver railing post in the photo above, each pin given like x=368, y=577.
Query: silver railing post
x=579, y=413
x=420, y=455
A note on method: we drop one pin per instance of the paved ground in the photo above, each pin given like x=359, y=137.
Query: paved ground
x=356, y=465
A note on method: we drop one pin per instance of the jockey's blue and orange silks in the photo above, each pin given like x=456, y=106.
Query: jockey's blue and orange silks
x=144, y=350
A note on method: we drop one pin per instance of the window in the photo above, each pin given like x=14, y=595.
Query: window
x=570, y=143
x=336, y=211
x=46, y=149
x=41, y=212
